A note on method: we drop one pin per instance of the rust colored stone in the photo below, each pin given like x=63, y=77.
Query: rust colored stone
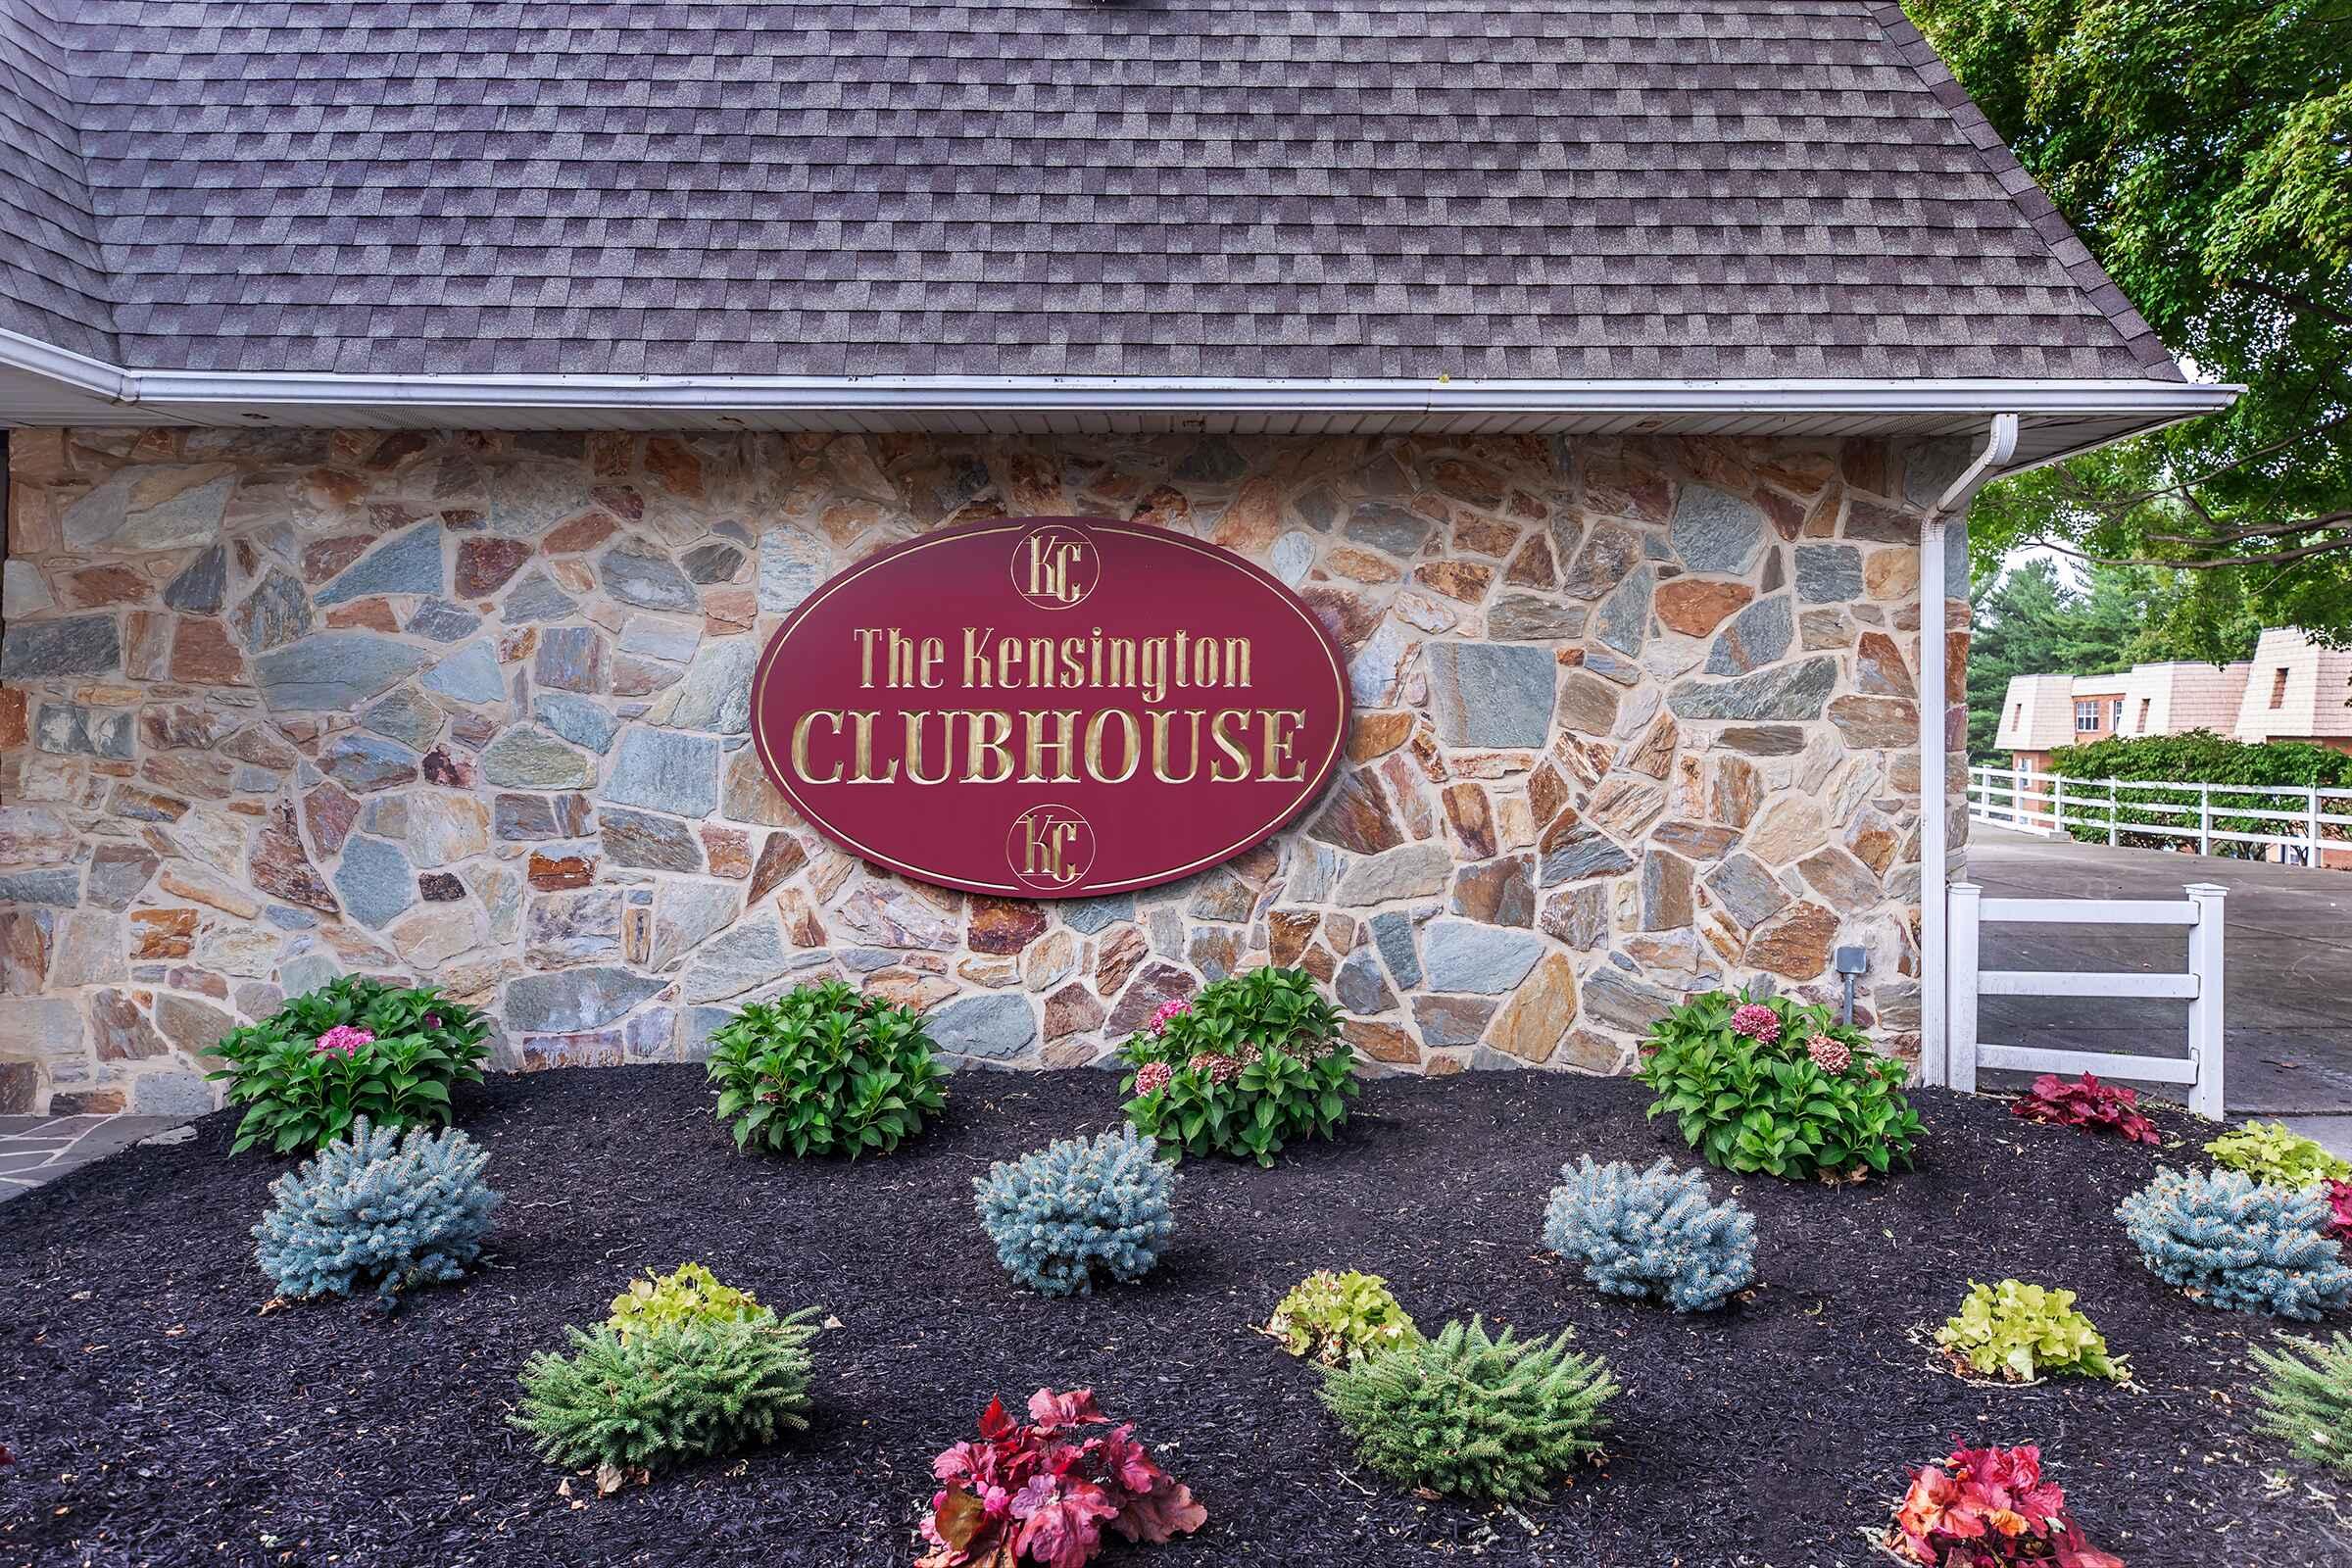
x=1466, y=580
x=780, y=856
x=281, y=869
x=485, y=565
x=11, y=718
x=1382, y=1041
x=582, y=533
x=203, y=655
x=1880, y=669
x=550, y=873
x=1002, y=926
x=1289, y=931
x=97, y=587
x=323, y=559
x=1356, y=815
x=1072, y=1010
x=1794, y=944
x=1695, y=605
x=329, y=813
x=801, y=926
x=729, y=850
x=370, y=615
x=1115, y=959
x=673, y=463
x=1373, y=735
x=1472, y=819
x=1538, y=1012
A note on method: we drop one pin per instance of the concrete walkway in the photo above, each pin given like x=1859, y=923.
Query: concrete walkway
x=2289, y=960
x=36, y=1150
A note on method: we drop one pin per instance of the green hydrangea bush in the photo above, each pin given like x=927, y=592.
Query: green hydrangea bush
x=2232, y=1241
x=1251, y=1064
x=1493, y=1419
x=2021, y=1332
x=1777, y=1087
x=824, y=1070
x=1079, y=1211
x=378, y=1207
x=690, y=1294
x=2269, y=1153
x=2305, y=1399
x=1653, y=1234
x=1337, y=1319
x=353, y=1047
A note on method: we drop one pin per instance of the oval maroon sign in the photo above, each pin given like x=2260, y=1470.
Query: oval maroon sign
x=1050, y=706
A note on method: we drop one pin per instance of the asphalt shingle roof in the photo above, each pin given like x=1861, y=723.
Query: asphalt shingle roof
x=1363, y=188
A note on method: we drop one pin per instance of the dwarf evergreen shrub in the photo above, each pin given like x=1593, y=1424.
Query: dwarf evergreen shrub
x=1493, y=1419
x=1651, y=1234
x=1338, y=1318
x=1078, y=1211
x=376, y=1208
x=2021, y=1332
x=2232, y=1241
x=655, y=1399
x=2306, y=1400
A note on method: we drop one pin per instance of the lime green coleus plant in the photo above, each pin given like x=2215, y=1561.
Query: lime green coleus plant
x=2269, y=1153
x=2023, y=1332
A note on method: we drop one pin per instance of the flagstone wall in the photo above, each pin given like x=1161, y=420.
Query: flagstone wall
x=1634, y=719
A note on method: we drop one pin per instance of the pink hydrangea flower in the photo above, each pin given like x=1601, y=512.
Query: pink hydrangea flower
x=1215, y=1068
x=343, y=1040
x=1829, y=1055
x=1152, y=1075
x=1756, y=1022
x=1168, y=1009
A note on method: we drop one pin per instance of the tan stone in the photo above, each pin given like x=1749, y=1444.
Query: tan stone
x=1794, y=944
x=1790, y=826
x=801, y=926
x=1382, y=1041
x=1696, y=606
x=906, y=987
x=1372, y=735
x=1252, y=519
x=183, y=880
x=1048, y=963
x=1890, y=574
x=434, y=934
x=1115, y=959
x=1538, y=1012
x=162, y=933
x=1072, y=1010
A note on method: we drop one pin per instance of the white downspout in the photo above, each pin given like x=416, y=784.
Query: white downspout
x=2000, y=444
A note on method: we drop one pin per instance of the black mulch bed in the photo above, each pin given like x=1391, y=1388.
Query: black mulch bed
x=160, y=1418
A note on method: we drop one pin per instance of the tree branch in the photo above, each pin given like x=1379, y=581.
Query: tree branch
x=2271, y=559
x=2331, y=520
x=2293, y=300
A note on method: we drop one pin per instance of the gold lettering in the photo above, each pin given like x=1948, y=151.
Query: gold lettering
x=1278, y=745
x=1236, y=660
x=1033, y=744
x=975, y=657
x=914, y=746
x=1162, y=717
x=988, y=729
x=1219, y=729
x=862, y=751
x=1094, y=746
x=799, y=746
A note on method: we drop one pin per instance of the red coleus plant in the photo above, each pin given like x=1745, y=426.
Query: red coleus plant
x=1041, y=1491
x=1988, y=1508
x=2339, y=1212
x=2084, y=1103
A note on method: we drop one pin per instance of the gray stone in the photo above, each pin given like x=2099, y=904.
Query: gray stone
x=638, y=572
x=743, y=959
x=665, y=770
x=688, y=914
x=1531, y=618
x=1714, y=531
x=1358, y=984
x=1392, y=934
x=563, y=928
x=69, y=728
x=1409, y=872
x=1399, y=530
x=405, y=716
x=408, y=563
x=468, y=675
x=334, y=671
x=1616, y=1001
x=1314, y=873
x=1763, y=740
x=273, y=615
x=61, y=890
x=529, y=758
x=994, y=1027
x=644, y=839
x=442, y=621
x=1484, y=694
x=79, y=645
x=119, y=873
x=571, y=658
x=709, y=563
x=792, y=563
x=1955, y=558
x=572, y=1000
x=365, y=762
x=307, y=972
x=1467, y=955
x=653, y=637
x=1744, y=889
x=1378, y=666
x=1785, y=691
x=1573, y=852
x=535, y=598
x=695, y=1026
x=1757, y=636
x=160, y=506
x=1090, y=915
x=21, y=590
x=1828, y=574
x=1455, y=1020
x=1603, y=563
x=375, y=880
x=170, y=1093
x=89, y=950
x=578, y=720
x=1292, y=554
x=1623, y=622
x=716, y=693
x=199, y=588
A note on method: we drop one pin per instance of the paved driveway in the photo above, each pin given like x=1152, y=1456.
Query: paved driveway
x=2288, y=952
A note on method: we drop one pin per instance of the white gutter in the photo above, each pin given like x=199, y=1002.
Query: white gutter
x=1165, y=395
x=1934, y=1044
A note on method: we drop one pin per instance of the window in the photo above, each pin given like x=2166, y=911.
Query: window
x=2143, y=716
x=2115, y=720
x=2278, y=687
x=2087, y=715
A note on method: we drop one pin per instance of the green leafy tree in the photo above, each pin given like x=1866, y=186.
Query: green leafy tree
x=2203, y=151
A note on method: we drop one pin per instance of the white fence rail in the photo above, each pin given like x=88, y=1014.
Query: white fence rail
x=2200, y=987
x=2297, y=821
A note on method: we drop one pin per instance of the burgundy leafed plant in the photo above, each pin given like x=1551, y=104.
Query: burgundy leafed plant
x=1988, y=1508
x=2339, y=1212
x=1042, y=1491
x=2084, y=1103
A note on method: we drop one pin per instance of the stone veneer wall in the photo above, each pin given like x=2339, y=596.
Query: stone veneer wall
x=1635, y=718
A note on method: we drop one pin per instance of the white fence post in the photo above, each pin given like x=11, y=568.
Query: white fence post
x=2204, y=819
x=1961, y=901
x=2115, y=811
x=2205, y=1035
x=2311, y=825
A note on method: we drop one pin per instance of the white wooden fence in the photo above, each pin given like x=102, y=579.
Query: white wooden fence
x=2201, y=988
x=2309, y=820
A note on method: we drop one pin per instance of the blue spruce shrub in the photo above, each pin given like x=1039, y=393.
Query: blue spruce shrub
x=2232, y=1241
x=1651, y=1234
x=1079, y=1209
x=378, y=1207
